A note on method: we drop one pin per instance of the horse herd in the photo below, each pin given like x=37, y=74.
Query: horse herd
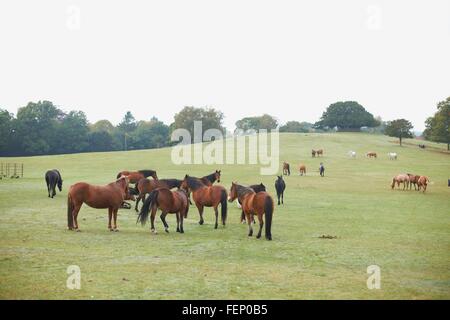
x=174, y=196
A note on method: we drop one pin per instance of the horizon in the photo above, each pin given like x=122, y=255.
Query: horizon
x=287, y=59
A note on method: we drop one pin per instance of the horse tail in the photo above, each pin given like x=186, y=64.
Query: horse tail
x=268, y=213
x=289, y=170
x=148, y=203
x=70, y=208
x=393, y=183
x=135, y=190
x=223, y=202
x=119, y=175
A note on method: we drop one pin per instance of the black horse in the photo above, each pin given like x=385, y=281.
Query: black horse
x=53, y=179
x=280, y=186
x=257, y=188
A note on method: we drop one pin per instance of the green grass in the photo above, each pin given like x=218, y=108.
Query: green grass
x=406, y=233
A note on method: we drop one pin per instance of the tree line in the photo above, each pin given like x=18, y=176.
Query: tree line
x=42, y=128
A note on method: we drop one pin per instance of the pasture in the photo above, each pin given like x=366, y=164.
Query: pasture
x=405, y=233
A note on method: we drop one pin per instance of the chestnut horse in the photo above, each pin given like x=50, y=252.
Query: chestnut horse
x=413, y=179
x=211, y=178
x=254, y=204
x=135, y=176
x=316, y=152
x=371, y=154
x=145, y=186
x=302, y=169
x=286, y=169
x=108, y=197
x=423, y=181
x=207, y=196
x=257, y=188
x=169, y=202
x=400, y=178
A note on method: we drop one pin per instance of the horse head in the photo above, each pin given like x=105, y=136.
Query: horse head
x=217, y=175
x=233, y=192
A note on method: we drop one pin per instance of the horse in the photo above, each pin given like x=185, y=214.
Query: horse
x=257, y=188
x=371, y=154
x=352, y=154
x=413, y=180
x=313, y=153
x=254, y=204
x=286, y=169
x=108, y=197
x=211, y=178
x=280, y=186
x=392, y=156
x=135, y=176
x=169, y=202
x=400, y=178
x=421, y=146
x=53, y=179
x=423, y=182
x=319, y=152
x=145, y=186
x=302, y=169
x=206, y=196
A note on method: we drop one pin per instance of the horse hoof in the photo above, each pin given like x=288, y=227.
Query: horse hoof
x=215, y=227
x=200, y=222
x=77, y=230
x=167, y=230
x=258, y=236
x=116, y=230
x=269, y=238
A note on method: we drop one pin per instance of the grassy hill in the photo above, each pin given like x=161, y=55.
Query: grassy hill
x=406, y=233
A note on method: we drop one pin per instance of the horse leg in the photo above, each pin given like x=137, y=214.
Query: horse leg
x=48, y=186
x=181, y=221
x=137, y=202
x=261, y=224
x=242, y=216
x=278, y=196
x=282, y=197
x=75, y=217
x=200, y=212
x=110, y=214
x=178, y=214
x=249, y=222
x=53, y=189
x=115, y=219
x=163, y=219
x=152, y=219
x=216, y=211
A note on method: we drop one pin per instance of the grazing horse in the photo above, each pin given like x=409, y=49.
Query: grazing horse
x=53, y=179
x=207, y=196
x=108, y=197
x=302, y=169
x=169, y=202
x=400, y=178
x=371, y=154
x=352, y=154
x=257, y=188
x=313, y=153
x=145, y=186
x=392, y=156
x=286, y=169
x=211, y=178
x=423, y=182
x=413, y=179
x=280, y=186
x=319, y=152
x=135, y=176
x=254, y=204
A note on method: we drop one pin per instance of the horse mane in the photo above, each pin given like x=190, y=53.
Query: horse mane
x=243, y=190
x=147, y=173
x=194, y=183
x=172, y=183
x=211, y=177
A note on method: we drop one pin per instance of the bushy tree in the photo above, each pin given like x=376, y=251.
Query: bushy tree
x=400, y=128
x=265, y=121
x=210, y=118
x=438, y=126
x=295, y=126
x=347, y=116
x=150, y=134
x=6, y=120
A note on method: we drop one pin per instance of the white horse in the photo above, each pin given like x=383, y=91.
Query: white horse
x=392, y=156
x=352, y=154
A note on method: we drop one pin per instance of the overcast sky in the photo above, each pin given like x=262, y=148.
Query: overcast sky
x=290, y=59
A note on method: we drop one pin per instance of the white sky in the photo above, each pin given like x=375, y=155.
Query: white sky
x=290, y=59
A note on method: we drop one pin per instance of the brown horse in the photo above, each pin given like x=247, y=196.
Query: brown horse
x=316, y=152
x=145, y=186
x=302, y=169
x=423, y=183
x=211, y=178
x=254, y=204
x=207, y=196
x=110, y=196
x=400, y=178
x=257, y=188
x=371, y=154
x=169, y=202
x=413, y=179
x=135, y=176
x=286, y=169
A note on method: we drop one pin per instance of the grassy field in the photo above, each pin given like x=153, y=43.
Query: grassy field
x=405, y=233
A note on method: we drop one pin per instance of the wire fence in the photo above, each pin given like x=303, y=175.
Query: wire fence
x=11, y=170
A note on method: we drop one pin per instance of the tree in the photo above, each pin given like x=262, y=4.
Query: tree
x=102, y=125
x=100, y=140
x=399, y=128
x=347, y=116
x=72, y=133
x=150, y=134
x=210, y=118
x=126, y=127
x=265, y=121
x=35, y=127
x=5, y=130
x=295, y=126
x=438, y=126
